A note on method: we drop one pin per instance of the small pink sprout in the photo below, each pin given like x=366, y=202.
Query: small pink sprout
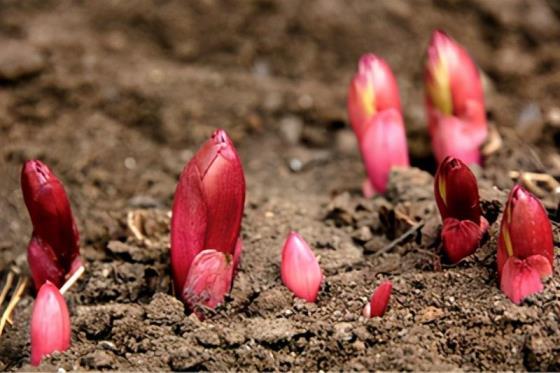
x=379, y=301
x=300, y=270
x=50, y=323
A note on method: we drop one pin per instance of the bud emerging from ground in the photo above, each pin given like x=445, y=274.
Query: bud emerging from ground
x=53, y=252
x=454, y=101
x=299, y=269
x=525, y=246
x=456, y=194
x=379, y=300
x=207, y=212
x=374, y=110
x=384, y=147
x=50, y=323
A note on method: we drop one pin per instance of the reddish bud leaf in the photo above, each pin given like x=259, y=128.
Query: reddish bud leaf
x=208, y=280
x=379, y=300
x=188, y=224
x=224, y=190
x=43, y=263
x=50, y=323
x=237, y=254
x=299, y=269
x=521, y=278
x=460, y=238
x=383, y=147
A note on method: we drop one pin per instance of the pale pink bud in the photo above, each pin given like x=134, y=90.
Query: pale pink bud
x=300, y=270
x=50, y=323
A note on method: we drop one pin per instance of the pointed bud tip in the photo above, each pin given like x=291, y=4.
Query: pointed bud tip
x=224, y=143
x=34, y=175
x=438, y=36
x=379, y=300
x=299, y=268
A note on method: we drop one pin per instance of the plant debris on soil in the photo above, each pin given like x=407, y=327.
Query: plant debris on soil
x=115, y=97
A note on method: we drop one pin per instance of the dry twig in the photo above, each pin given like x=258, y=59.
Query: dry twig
x=531, y=181
x=400, y=239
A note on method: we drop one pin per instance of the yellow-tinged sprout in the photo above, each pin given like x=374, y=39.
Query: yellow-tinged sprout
x=439, y=87
x=442, y=190
x=367, y=99
x=507, y=241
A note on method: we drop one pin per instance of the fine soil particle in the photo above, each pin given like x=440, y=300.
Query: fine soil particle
x=117, y=96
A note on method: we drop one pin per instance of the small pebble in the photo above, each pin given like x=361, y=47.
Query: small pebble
x=291, y=128
x=295, y=164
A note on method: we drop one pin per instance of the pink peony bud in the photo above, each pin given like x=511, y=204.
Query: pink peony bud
x=209, y=280
x=383, y=147
x=525, y=246
x=208, y=206
x=373, y=89
x=50, y=323
x=454, y=101
x=55, y=236
x=456, y=193
x=300, y=270
x=379, y=300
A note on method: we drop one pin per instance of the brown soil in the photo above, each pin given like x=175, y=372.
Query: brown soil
x=115, y=96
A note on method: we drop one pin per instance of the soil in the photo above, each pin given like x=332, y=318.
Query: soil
x=116, y=96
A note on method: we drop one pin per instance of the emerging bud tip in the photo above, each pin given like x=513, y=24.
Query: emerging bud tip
x=379, y=301
x=300, y=270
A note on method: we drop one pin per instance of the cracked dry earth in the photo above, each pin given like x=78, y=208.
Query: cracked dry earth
x=116, y=97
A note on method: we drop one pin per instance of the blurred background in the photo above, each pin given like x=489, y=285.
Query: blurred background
x=115, y=95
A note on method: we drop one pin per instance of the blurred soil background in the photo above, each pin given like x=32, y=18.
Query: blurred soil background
x=115, y=96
